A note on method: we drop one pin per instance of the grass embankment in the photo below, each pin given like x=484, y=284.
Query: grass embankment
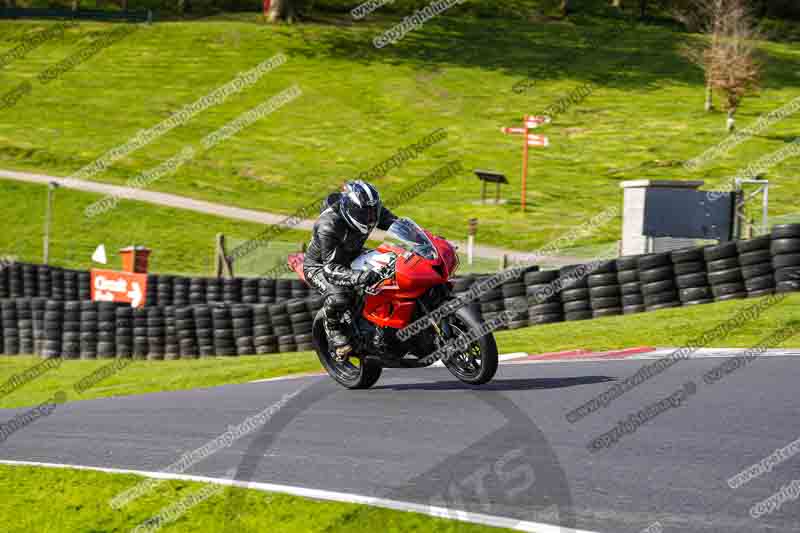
x=182, y=241
x=360, y=105
x=670, y=327
x=55, y=500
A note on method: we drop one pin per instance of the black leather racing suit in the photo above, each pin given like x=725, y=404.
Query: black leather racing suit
x=334, y=245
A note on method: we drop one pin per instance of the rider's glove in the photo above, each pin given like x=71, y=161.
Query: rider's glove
x=368, y=278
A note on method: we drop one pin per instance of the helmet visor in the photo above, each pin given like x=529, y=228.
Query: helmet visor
x=368, y=215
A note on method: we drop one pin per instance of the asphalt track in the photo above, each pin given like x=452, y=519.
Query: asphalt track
x=505, y=450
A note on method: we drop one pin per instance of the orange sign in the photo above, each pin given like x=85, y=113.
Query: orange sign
x=113, y=286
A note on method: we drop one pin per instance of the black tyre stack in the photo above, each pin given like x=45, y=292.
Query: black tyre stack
x=153, y=284
x=756, y=262
x=186, y=332
x=299, y=288
x=543, y=298
x=10, y=327
x=266, y=290
x=232, y=290
x=140, y=340
x=515, y=302
x=657, y=282
x=106, y=330
x=171, y=348
x=250, y=291
x=785, y=249
x=2, y=326
x=123, y=318
x=84, y=285
x=301, y=316
x=491, y=302
x=575, y=297
x=3, y=282
x=44, y=285
x=53, y=323
x=204, y=330
x=37, y=320
x=197, y=291
x=57, y=284
x=605, y=296
x=88, y=329
x=164, y=290
x=71, y=330
x=181, y=295
x=29, y=281
x=15, y=284
x=222, y=322
x=283, y=290
x=70, y=285
x=629, y=286
x=242, y=319
x=25, y=326
x=213, y=290
x=156, y=333
x=264, y=338
x=690, y=276
x=281, y=325
x=724, y=272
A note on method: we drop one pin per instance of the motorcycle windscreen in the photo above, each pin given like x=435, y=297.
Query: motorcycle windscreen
x=404, y=233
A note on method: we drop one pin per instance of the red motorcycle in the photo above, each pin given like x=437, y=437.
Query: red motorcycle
x=415, y=267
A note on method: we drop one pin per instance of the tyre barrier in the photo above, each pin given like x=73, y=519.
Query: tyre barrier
x=691, y=277
x=574, y=294
x=605, y=296
x=190, y=317
x=630, y=288
x=657, y=281
x=724, y=272
x=785, y=252
x=544, y=304
x=26, y=280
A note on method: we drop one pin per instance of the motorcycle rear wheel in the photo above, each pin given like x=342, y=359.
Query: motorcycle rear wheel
x=362, y=375
x=465, y=366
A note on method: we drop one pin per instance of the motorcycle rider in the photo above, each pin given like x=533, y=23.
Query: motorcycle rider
x=337, y=239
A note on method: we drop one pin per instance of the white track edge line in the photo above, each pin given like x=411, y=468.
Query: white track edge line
x=317, y=494
x=437, y=364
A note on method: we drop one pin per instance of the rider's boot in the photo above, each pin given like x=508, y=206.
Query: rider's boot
x=338, y=340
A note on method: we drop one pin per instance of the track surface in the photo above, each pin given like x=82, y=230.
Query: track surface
x=421, y=434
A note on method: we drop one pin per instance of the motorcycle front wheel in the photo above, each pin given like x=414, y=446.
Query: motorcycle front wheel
x=355, y=372
x=477, y=364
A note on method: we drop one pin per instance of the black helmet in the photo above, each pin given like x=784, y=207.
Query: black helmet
x=360, y=205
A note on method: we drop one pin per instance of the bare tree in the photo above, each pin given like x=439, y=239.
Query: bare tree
x=727, y=57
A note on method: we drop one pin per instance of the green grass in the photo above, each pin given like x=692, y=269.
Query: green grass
x=182, y=241
x=360, y=105
x=667, y=327
x=148, y=376
x=55, y=500
x=670, y=327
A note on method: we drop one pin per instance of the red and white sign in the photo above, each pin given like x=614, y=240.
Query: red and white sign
x=530, y=122
x=113, y=286
x=538, y=140
x=537, y=119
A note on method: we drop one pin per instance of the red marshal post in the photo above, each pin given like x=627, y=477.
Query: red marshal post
x=530, y=122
